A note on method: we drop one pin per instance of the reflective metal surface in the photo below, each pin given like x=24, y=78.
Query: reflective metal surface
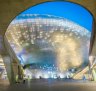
x=49, y=41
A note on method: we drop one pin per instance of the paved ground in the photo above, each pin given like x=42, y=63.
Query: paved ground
x=50, y=85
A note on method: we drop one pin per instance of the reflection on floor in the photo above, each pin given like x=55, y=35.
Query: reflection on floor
x=51, y=85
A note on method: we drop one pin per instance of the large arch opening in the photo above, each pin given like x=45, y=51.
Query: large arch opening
x=52, y=39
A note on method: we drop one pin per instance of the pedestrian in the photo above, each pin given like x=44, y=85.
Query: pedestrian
x=24, y=79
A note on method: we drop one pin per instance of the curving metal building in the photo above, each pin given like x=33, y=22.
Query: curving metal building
x=48, y=41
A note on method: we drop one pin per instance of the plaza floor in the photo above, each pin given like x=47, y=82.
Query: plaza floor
x=49, y=85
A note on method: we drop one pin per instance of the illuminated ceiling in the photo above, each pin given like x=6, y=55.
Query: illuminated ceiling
x=2, y=66
x=47, y=39
x=53, y=36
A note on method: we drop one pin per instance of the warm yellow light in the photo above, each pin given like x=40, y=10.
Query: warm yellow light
x=67, y=51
